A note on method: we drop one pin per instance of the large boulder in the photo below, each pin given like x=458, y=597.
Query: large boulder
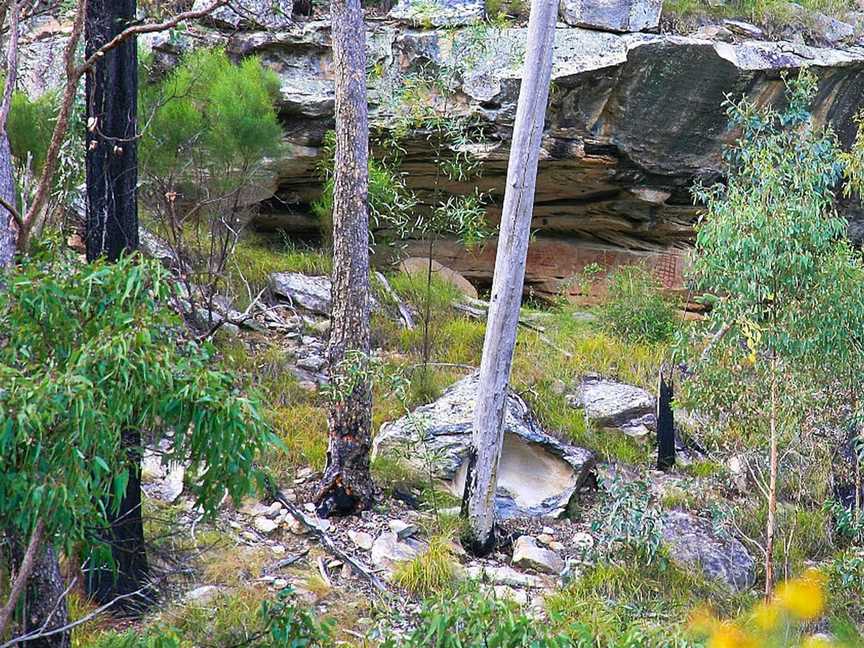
x=419, y=267
x=694, y=544
x=312, y=293
x=254, y=14
x=610, y=404
x=612, y=15
x=538, y=473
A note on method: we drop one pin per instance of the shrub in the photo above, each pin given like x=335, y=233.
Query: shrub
x=636, y=309
x=86, y=353
x=212, y=125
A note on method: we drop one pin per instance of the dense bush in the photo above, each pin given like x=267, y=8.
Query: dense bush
x=88, y=352
x=636, y=308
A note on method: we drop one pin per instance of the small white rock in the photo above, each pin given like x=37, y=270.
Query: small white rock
x=264, y=524
x=402, y=529
x=362, y=539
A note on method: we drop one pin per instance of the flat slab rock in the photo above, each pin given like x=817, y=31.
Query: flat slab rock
x=693, y=544
x=538, y=473
x=611, y=404
x=612, y=15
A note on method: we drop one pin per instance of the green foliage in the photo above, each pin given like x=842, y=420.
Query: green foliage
x=390, y=201
x=87, y=353
x=210, y=128
x=467, y=618
x=30, y=126
x=634, y=605
x=636, y=309
x=771, y=13
x=290, y=626
x=209, y=111
x=628, y=525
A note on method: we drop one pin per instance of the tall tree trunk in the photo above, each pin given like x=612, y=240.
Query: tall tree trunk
x=509, y=276
x=112, y=160
x=347, y=487
x=44, y=602
x=8, y=229
x=112, y=230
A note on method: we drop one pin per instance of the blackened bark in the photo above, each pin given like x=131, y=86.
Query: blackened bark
x=8, y=229
x=112, y=103
x=665, y=425
x=112, y=230
x=347, y=487
x=44, y=603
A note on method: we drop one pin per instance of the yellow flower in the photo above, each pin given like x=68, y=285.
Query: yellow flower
x=729, y=635
x=816, y=641
x=702, y=622
x=803, y=597
x=766, y=616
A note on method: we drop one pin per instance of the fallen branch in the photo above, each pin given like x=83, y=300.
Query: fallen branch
x=285, y=562
x=327, y=542
x=404, y=311
x=719, y=335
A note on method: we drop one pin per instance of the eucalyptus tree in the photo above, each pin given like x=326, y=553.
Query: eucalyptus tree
x=346, y=486
x=507, y=283
x=763, y=246
x=89, y=352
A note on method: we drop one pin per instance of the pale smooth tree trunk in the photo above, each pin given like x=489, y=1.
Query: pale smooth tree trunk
x=346, y=487
x=8, y=229
x=507, y=284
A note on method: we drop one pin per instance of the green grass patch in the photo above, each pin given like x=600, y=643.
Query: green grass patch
x=619, y=604
x=258, y=255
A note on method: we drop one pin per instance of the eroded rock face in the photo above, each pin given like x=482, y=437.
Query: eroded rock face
x=634, y=120
x=538, y=473
x=693, y=544
x=610, y=404
x=612, y=15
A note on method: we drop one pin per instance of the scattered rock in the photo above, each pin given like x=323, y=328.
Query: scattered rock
x=203, y=595
x=518, y=596
x=254, y=14
x=504, y=575
x=583, y=541
x=402, y=529
x=160, y=481
x=693, y=543
x=362, y=539
x=614, y=405
x=441, y=431
x=528, y=555
x=438, y=13
x=743, y=28
x=419, y=266
x=387, y=550
x=310, y=292
x=612, y=15
x=280, y=583
x=264, y=525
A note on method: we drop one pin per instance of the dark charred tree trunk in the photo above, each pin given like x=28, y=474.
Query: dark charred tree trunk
x=112, y=103
x=44, y=602
x=112, y=230
x=347, y=487
x=665, y=424
x=8, y=230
